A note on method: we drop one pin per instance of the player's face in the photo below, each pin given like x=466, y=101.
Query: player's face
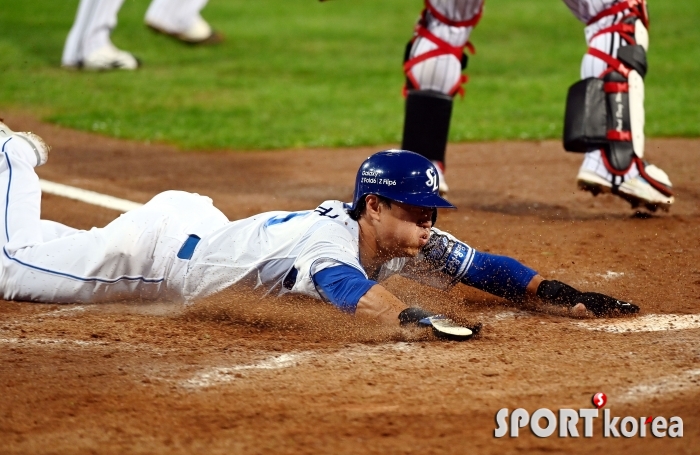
x=404, y=229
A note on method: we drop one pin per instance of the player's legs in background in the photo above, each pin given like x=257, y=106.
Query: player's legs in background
x=433, y=66
x=615, y=65
x=182, y=20
x=88, y=44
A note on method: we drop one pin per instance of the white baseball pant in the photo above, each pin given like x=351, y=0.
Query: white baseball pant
x=95, y=20
x=134, y=256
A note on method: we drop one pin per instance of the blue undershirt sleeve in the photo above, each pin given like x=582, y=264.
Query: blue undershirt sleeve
x=342, y=285
x=499, y=275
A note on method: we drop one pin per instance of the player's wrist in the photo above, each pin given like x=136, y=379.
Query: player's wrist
x=558, y=293
x=414, y=315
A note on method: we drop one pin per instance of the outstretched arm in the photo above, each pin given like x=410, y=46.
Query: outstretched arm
x=506, y=277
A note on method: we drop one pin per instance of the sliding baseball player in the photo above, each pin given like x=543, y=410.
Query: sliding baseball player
x=179, y=247
x=89, y=46
x=604, y=112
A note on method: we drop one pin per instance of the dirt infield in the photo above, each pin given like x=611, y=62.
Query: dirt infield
x=240, y=374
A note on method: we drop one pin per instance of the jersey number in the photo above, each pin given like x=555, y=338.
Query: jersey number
x=325, y=212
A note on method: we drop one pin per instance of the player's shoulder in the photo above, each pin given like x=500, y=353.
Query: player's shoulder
x=335, y=211
x=333, y=215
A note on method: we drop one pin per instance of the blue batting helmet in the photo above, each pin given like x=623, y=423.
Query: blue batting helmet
x=401, y=176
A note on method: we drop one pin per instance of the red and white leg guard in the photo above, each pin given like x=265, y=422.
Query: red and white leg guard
x=605, y=110
x=435, y=56
x=433, y=66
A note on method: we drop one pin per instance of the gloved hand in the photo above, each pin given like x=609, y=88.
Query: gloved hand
x=558, y=293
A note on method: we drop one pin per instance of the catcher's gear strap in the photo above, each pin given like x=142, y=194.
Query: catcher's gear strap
x=342, y=285
x=427, y=123
x=499, y=275
x=447, y=21
x=602, y=112
x=443, y=48
x=638, y=8
x=627, y=28
x=608, y=113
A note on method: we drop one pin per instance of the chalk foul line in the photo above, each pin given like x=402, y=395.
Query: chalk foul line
x=665, y=385
x=646, y=323
x=223, y=375
x=87, y=196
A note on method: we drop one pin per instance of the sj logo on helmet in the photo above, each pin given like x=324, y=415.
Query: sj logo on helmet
x=432, y=179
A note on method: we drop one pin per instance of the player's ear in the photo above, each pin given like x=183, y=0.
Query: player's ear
x=372, y=204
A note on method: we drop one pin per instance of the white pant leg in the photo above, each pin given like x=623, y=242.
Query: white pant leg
x=52, y=230
x=132, y=257
x=93, y=24
x=585, y=10
x=19, y=213
x=443, y=72
x=174, y=16
x=80, y=266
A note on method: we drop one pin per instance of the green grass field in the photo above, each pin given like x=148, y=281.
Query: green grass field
x=298, y=73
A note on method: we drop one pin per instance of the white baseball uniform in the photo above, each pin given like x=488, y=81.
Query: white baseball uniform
x=95, y=20
x=178, y=247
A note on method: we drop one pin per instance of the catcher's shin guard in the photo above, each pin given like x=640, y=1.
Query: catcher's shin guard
x=427, y=123
x=607, y=111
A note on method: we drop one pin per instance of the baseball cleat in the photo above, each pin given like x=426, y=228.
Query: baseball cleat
x=642, y=185
x=199, y=33
x=108, y=58
x=442, y=185
x=40, y=148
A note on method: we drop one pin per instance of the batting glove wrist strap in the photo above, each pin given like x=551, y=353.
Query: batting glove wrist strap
x=414, y=315
x=558, y=293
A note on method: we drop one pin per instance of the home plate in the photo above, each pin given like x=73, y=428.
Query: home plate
x=646, y=323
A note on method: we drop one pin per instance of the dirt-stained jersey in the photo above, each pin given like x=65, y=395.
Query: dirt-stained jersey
x=281, y=251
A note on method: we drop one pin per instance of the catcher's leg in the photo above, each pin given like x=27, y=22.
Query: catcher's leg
x=88, y=44
x=605, y=110
x=433, y=66
x=181, y=20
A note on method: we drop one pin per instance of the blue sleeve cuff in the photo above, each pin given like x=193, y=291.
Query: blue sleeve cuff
x=342, y=285
x=499, y=275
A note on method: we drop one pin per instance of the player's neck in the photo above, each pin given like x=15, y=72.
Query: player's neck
x=371, y=256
